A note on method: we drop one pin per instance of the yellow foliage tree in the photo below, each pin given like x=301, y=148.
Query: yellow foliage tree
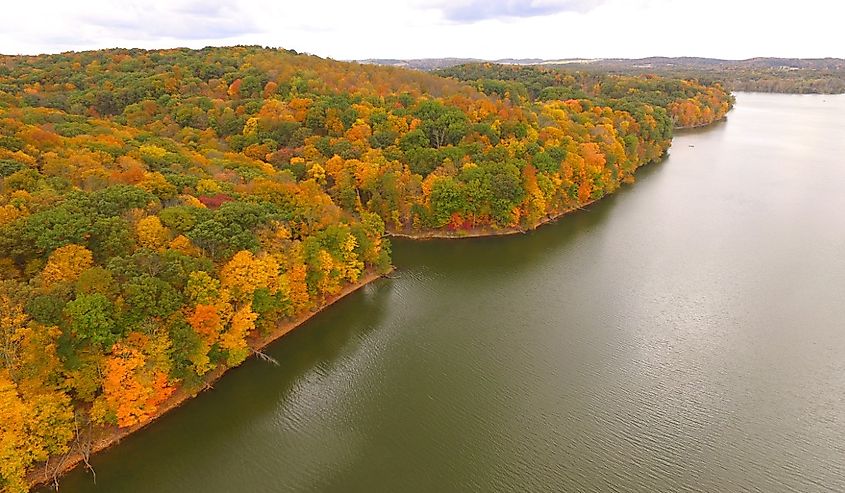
x=12, y=319
x=234, y=339
x=66, y=264
x=325, y=265
x=9, y=213
x=182, y=244
x=30, y=431
x=207, y=187
x=39, y=363
x=317, y=172
x=299, y=298
x=151, y=151
x=151, y=233
x=202, y=288
x=352, y=266
x=245, y=273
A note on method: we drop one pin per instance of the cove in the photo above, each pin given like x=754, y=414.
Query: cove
x=685, y=333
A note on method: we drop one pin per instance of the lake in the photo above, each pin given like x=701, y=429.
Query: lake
x=687, y=333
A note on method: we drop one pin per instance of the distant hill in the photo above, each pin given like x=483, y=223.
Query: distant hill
x=784, y=75
x=627, y=63
x=425, y=64
x=712, y=63
x=429, y=64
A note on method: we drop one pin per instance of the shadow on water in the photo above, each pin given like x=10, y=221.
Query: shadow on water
x=253, y=391
x=719, y=125
x=246, y=394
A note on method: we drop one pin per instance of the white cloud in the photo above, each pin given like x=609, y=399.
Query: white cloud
x=475, y=10
x=179, y=20
x=437, y=28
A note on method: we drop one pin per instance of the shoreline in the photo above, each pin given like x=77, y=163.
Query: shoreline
x=54, y=468
x=434, y=234
x=702, y=125
x=483, y=233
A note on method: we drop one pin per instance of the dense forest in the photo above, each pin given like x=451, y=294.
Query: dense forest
x=161, y=210
x=689, y=104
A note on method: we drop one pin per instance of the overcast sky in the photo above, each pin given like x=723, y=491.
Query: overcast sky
x=350, y=29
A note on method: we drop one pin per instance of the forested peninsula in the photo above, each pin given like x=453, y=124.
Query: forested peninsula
x=164, y=214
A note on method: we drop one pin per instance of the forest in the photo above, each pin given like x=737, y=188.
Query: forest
x=162, y=210
x=688, y=103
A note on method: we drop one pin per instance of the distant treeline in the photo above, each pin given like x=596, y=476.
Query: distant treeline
x=783, y=75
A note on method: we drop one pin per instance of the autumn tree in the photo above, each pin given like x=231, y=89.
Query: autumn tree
x=66, y=264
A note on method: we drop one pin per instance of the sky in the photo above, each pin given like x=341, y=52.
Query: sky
x=488, y=29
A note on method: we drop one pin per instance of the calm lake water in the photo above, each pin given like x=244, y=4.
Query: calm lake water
x=685, y=334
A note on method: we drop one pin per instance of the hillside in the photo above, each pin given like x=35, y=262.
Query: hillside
x=688, y=103
x=161, y=211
